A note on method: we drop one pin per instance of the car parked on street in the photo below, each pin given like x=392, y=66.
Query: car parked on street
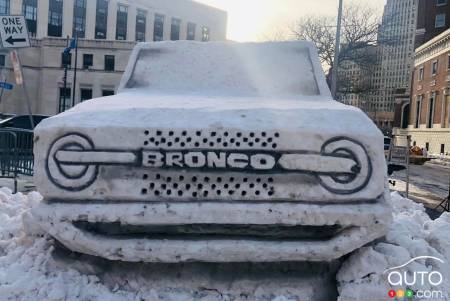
x=21, y=121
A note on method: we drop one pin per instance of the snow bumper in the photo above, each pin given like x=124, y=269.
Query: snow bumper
x=215, y=232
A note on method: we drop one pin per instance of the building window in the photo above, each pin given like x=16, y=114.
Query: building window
x=79, y=18
x=446, y=123
x=175, y=29
x=101, y=19
x=66, y=59
x=190, y=31
x=109, y=62
x=64, y=99
x=439, y=21
x=421, y=72
x=88, y=60
x=430, y=116
x=434, y=67
x=55, y=18
x=4, y=7
x=205, y=34
x=448, y=62
x=441, y=2
x=122, y=21
x=29, y=10
x=158, y=30
x=107, y=92
x=85, y=94
x=141, y=23
x=418, y=109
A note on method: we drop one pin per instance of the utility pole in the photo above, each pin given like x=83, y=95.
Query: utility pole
x=334, y=73
x=75, y=70
x=66, y=55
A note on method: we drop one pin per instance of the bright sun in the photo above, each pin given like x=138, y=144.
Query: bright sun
x=250, y=20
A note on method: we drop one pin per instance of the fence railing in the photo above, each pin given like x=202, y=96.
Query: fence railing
x=16, y=153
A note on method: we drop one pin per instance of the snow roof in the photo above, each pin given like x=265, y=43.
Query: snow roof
x=281, y=69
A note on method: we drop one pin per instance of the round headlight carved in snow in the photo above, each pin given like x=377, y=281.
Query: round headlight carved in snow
x=362, y=171
x=72, y=176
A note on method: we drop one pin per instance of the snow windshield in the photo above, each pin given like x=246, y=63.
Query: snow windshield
x=217, y=69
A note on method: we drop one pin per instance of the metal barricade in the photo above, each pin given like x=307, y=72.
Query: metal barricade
x=24, y=151
x=8, y=155
x=16, y=153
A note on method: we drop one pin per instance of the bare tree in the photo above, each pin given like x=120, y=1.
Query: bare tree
x=276, y=34
x=364, y=38
x=359, y=30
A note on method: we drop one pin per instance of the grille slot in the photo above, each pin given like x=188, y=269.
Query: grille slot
x=200, y=186
x=173, y=139
x=212, y=231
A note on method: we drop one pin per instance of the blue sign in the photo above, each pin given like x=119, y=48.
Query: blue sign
x=6, y=86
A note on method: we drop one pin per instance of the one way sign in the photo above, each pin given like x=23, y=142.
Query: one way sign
x=13, y=32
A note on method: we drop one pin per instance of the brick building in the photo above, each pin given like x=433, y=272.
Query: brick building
x=429, y=117
x=433, y=18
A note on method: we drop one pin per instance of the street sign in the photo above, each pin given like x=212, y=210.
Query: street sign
x=16, y=66
x=6, y=86
x=399, y=155
x=13, y=32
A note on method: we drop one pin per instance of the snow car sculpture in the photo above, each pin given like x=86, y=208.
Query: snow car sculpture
x=218, y=152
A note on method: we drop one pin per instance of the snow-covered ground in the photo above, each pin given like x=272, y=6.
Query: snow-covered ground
x=30, y=269
x=412, y=234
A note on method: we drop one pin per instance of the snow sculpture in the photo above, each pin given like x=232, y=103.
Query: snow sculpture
x=214, y=152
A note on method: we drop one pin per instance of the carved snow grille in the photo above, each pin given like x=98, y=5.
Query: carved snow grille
x=265, y=140
x=198, y=186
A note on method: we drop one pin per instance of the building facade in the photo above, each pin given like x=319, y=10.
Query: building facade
x=433, y=18
x=396, y=38
x=355, y=84
x=429, y=111
x=107, y=31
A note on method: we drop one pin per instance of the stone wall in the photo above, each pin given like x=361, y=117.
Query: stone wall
x=434, y=137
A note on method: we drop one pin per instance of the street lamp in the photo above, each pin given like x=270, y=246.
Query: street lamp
x=334, y=73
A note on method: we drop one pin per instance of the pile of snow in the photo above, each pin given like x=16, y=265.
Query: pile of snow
x=31, y=270
x=412, y=234
x=25, y=254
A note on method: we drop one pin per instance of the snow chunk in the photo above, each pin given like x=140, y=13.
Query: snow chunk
x=412, y=234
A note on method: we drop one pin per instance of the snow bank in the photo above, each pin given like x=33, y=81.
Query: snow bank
x=30, y=269
x=412, y=234
x=25, y=257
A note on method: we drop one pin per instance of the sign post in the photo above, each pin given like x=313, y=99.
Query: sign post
x=399, y=155
x=14, y=34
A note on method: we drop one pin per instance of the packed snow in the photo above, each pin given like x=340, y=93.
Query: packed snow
x=225, y=68
x=31, y=268
x=411, y=234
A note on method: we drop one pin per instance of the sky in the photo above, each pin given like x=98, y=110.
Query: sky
x=252, y=20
